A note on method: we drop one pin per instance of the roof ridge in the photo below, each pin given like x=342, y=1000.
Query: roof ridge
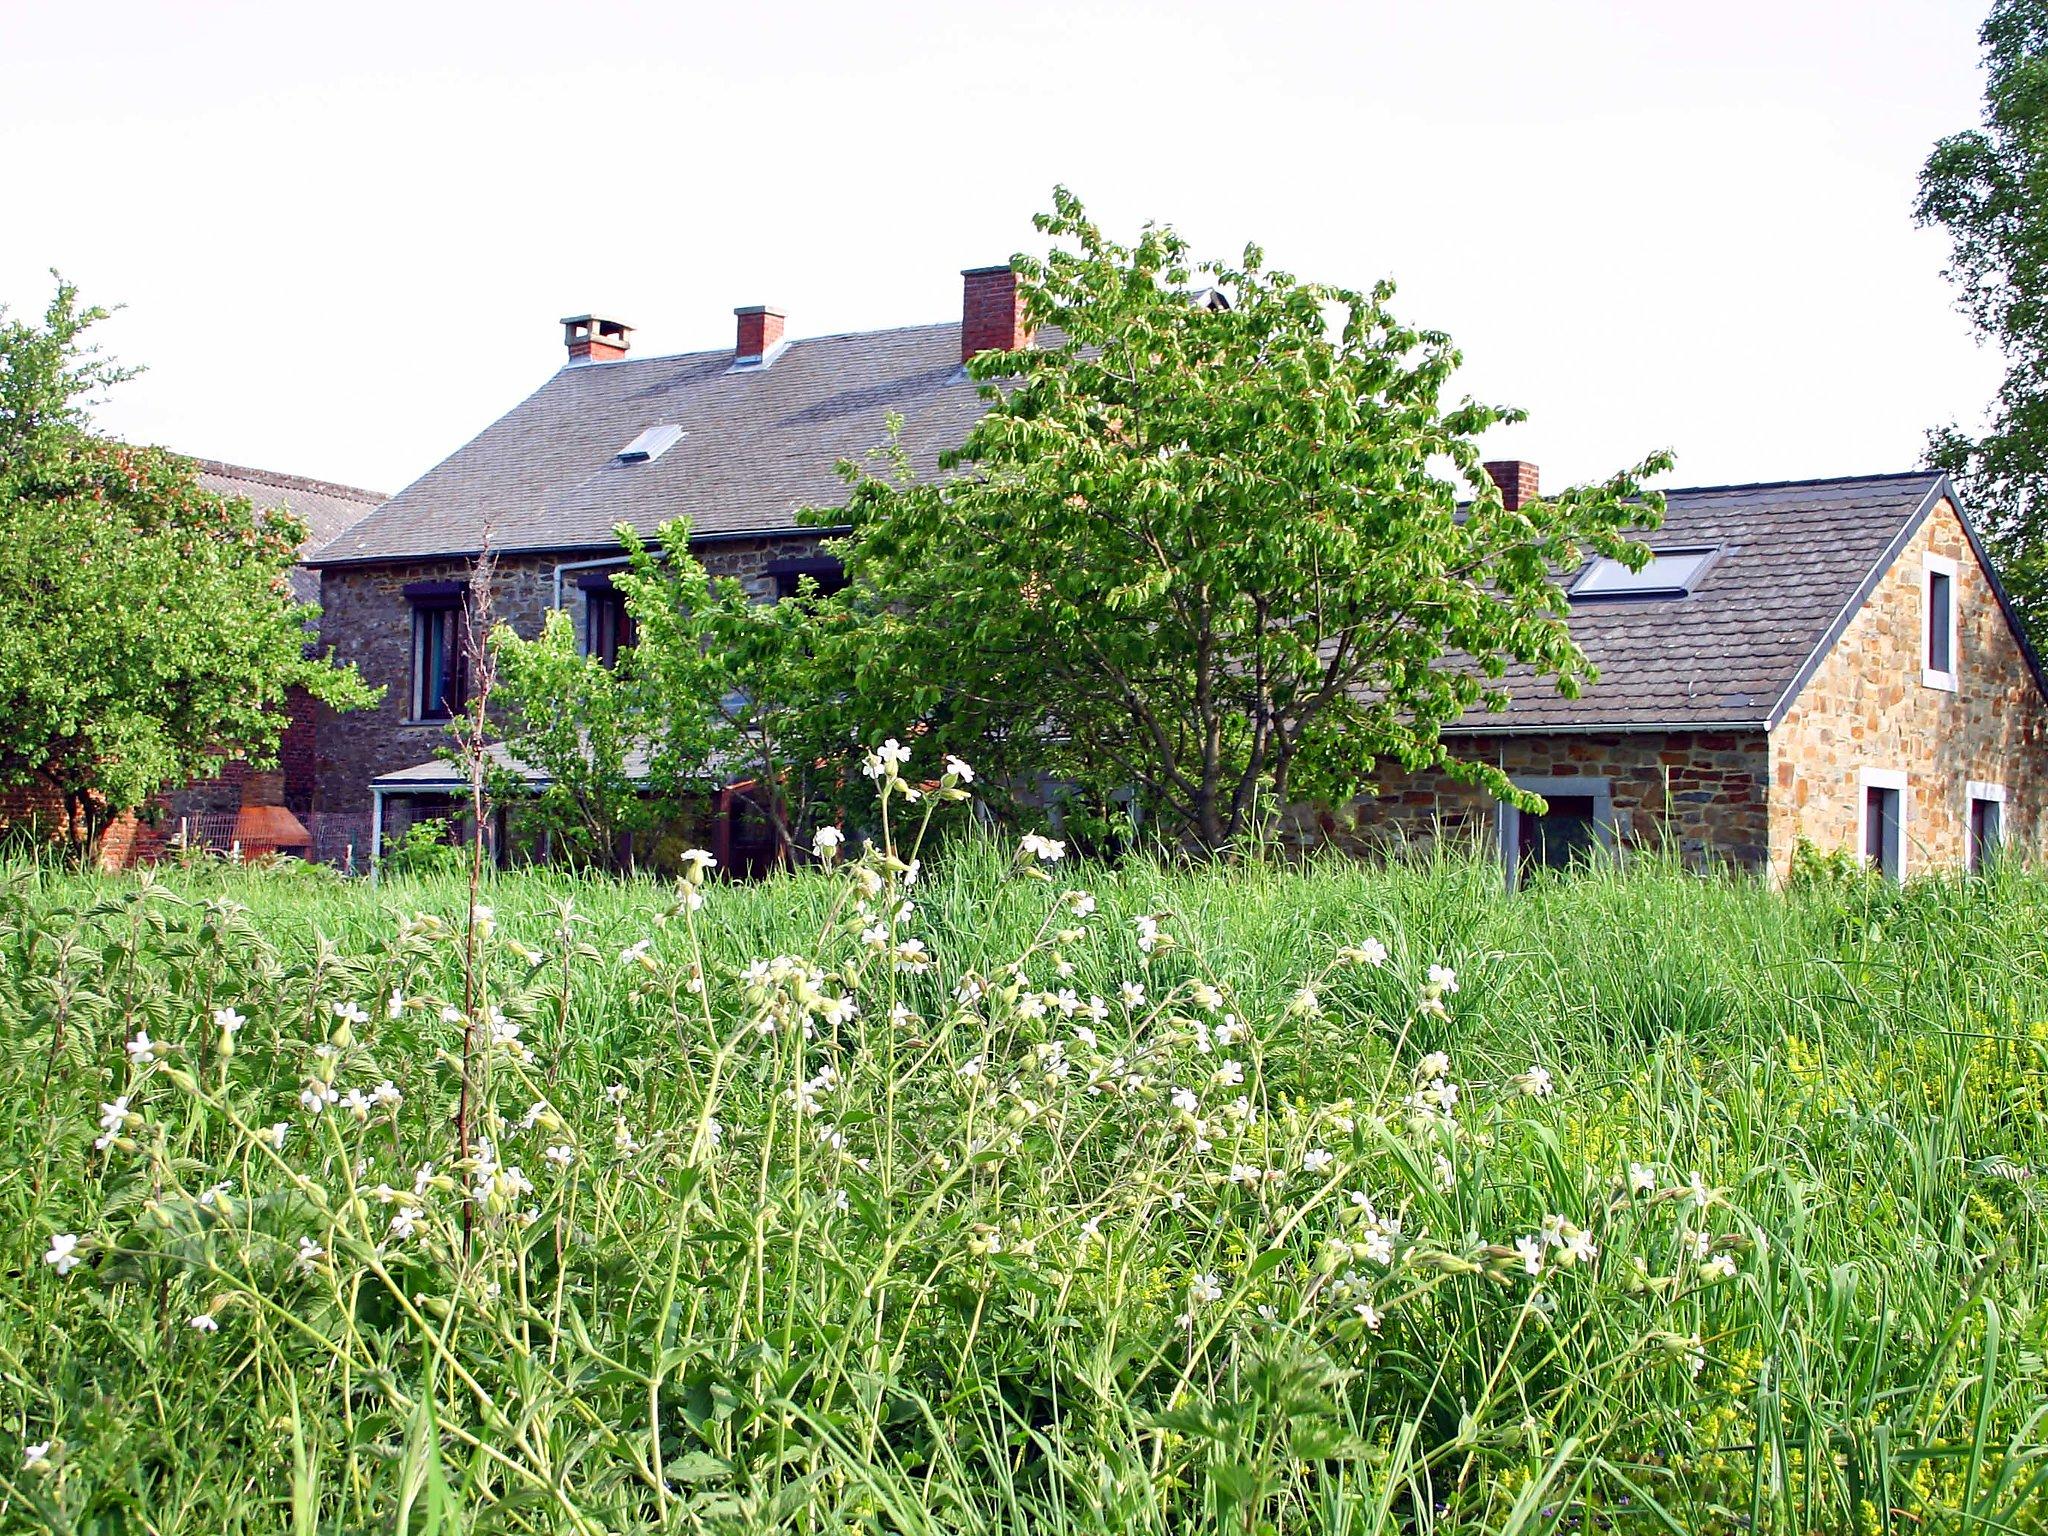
x=793, y=341
x=283, y=481
x=1772, y=485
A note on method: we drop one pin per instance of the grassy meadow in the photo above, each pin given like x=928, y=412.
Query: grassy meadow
x=1014, y=1194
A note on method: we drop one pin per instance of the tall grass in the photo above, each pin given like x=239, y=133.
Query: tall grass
x=916, y=1237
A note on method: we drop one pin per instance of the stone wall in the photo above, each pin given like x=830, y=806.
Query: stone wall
x=1867, y=706
x=366, y=619
x=1699, y=793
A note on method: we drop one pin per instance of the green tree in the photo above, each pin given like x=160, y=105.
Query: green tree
x=740, y=690
x=1207, y=545
x=148, y=632
x=718, y=690
x=1985, y=186
x=582, y=728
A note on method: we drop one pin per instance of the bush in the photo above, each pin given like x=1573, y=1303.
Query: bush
x=425, y=847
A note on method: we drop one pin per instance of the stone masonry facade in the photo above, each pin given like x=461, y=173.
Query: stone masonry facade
x=366, y=619
x=1700, y=794
x=1746, y=800
x=1869, y=707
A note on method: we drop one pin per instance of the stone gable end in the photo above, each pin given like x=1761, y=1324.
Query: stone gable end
x=1868, y=707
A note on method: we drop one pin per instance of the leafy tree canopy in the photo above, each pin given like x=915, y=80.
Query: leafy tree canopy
x=148, y=631
x=717, y=690
x=1986, y=187
x=1219, y=556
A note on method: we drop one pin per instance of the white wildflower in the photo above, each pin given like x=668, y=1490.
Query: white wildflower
x=63, y=1255
x=204, y=1322
x=1045, y=849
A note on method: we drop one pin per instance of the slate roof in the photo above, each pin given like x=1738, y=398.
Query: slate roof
x=1796, y=560
x=325, y=508
x=758, y=444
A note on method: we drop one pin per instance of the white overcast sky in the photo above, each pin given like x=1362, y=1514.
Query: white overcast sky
x=343, y=234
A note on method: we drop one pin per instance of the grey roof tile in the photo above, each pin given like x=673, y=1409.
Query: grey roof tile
x=325, y=508
x=758, y=444
x=1794, y=555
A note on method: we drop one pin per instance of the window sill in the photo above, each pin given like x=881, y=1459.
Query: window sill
x=421, y=725
x=1945, y=682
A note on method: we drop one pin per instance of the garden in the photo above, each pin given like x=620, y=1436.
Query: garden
x=949, y=1184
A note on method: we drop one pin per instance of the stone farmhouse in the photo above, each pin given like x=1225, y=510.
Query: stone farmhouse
x=1827, y=660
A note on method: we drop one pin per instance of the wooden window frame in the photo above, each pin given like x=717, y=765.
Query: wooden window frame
x=432, y=603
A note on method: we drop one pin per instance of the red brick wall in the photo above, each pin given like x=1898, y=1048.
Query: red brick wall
x=991, y=312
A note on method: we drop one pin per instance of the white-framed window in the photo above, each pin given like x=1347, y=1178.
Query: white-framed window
x=1881, y=821
x=1938, y=622
x=1578, y=825
x=1985, y=826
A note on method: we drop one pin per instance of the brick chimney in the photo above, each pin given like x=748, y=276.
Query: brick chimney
x=1516, y=479
x=991, y=312
x=760, y=332
x=591, y=340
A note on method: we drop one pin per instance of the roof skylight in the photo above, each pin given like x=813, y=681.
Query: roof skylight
x=651, y=444
x=1670, y=573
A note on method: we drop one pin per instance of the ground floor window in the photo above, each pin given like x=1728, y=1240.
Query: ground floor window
x=1882, y=814
x=1576, y=825
x=1987, y=825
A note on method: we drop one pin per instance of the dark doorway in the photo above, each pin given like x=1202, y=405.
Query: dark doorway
x=1568, y=833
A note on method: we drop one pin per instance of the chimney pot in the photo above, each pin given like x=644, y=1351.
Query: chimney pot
x=991, y=312
x=593, y=340
x=1517, y=480
x=760, y=332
